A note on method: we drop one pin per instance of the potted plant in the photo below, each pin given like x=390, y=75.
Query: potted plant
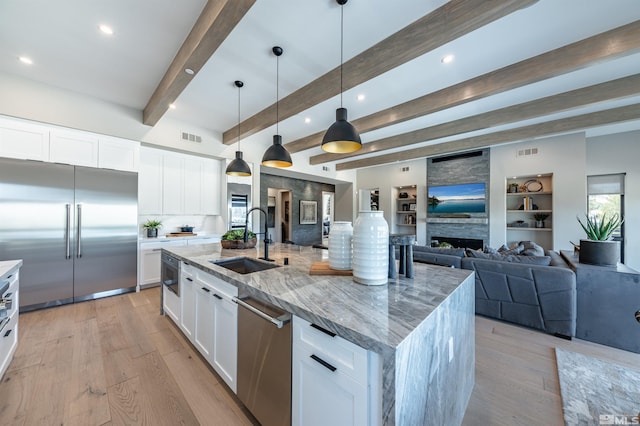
x=234, y=239
x=152, y=227
x=540, y=218
x=598, y=249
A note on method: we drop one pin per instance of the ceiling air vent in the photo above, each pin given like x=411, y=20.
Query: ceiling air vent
x=527, y=151
x=189, y=137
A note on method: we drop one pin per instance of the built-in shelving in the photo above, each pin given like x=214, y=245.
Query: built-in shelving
x=405, y=206
x=525, y=197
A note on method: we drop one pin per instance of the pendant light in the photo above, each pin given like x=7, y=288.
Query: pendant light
x=238, y=167
x=341, y=137
x=277, y=155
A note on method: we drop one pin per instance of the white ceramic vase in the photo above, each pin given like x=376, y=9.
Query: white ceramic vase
x=340, y=246
x=370, y=261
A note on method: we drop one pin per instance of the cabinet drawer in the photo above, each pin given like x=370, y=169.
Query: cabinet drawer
x=187, y=270
x=8, y=341
x=348, y=358
x=217, y=284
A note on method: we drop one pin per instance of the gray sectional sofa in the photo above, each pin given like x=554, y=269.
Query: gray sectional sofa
x=517, y=291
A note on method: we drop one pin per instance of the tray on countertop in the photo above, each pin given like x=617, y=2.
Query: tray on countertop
x=322, y=268
x=181, y=234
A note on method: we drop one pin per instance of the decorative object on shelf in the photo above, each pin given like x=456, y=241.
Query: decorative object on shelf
x=540, y=218
x=512, y=188
x=370, y=260
x=598, y=249
x=519, y=224
x=403, y=195
x=341, y=137
x=405, y=207
x=152, y=226
x=234, y=239
x=277, y=155
x=238, y=167
x=340, y=245
x=308, y=212
x=533, y=185
x=412, y=207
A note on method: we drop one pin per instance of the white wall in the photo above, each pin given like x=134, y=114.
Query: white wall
x=385, y=178
x=565, y=157
x=620, y=153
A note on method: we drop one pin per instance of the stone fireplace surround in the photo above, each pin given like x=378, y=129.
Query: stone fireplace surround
x=472, y=243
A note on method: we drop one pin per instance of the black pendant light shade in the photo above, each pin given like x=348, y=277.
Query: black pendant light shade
x=238, y=167
x=277, y=155
x=341, y=137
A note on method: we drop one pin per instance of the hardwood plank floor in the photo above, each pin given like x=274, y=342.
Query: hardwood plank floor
x=116, y=361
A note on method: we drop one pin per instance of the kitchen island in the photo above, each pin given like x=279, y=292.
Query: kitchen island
x=421, y=328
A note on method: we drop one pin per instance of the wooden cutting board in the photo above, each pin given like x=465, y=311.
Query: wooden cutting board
x=181, y=234
x=322, y=268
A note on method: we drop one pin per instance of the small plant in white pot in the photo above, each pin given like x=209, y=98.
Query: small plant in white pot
x=540, y=218
x=598, y=248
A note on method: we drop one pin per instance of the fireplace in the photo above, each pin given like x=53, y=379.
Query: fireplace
x=471, y=243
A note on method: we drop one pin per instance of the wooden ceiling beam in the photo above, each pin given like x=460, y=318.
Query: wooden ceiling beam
x=449, y=22
x=609, y=45
x=217, y=20
x=563, y=125
x=615, y=89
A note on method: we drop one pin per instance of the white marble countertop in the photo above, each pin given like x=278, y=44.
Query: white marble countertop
x=374, y=317
x=9, y=266
x=164, y=237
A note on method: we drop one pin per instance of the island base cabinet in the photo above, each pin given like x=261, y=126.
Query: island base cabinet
x=333, y=381
x=188, y=299
x=205, y=317
x=171, y=305
x=224, y=358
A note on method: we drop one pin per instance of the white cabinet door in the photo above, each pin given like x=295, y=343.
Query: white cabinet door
x=24, y=140
x=150, y=266
x=118, y=154
x=188, y=298
x=192, y=185
x=204, y=319
x=77, y=148
x=172, y=184
x=225, y=348
x=150, y=181
x=171, y=305
x=210, y=193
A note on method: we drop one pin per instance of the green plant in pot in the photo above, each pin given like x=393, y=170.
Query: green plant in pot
x=152, y=227
x=540, y=218
x=234, y=239
x=598, y=248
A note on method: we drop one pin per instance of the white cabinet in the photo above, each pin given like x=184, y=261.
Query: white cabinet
x=149, y=260
x=9, y=324
x=210, y=188
x=71, y=147
x=118, y=154
x=205, y=317
x=150, y=181
x=172, y=184
x=192, y=185
x=222, y=351
x=188, y=299
x=203, y=240
x=332, y=379
x=24, y=141
x=172, y=305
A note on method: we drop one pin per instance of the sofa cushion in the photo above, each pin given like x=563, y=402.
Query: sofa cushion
x=531, y=249
x=439, y=250
x=529, y=260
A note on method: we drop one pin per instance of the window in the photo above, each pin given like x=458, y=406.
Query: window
x=605, y=195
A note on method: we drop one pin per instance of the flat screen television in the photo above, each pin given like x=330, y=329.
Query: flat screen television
x=452, y=199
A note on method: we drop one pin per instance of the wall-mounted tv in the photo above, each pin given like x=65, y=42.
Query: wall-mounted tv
x=452, y=199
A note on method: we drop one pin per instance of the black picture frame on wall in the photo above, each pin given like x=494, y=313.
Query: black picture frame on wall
x=308, y=212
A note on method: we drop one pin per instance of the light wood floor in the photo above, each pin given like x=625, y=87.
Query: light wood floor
x=117, y=361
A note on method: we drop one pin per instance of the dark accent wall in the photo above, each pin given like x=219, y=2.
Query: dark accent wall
x=457, y=169
x=304, y=235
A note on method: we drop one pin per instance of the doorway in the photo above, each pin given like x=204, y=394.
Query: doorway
x=327, y=215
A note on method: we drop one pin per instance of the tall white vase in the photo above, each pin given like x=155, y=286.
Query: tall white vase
x=370, y=261
x=340, y=246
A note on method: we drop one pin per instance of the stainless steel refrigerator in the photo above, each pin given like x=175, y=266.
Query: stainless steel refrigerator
x=75, y=228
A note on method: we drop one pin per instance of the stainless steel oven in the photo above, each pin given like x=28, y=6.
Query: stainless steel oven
x=170, y=273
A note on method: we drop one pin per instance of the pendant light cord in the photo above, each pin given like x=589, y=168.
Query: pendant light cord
x=239, y=119
x=341, y=49
x=277, y=93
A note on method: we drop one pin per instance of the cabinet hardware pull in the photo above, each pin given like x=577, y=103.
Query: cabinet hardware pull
x=217, y=296
x=323, y=363
x=8, y=333
x=156, y=249
x=324, y=330
x=189, y=279
x=206, y=289
x=9, y=276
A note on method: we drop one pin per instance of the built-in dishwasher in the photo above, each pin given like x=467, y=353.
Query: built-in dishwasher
x=264, y=361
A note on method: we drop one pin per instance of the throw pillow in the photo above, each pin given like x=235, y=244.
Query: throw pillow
x=530, y=260
x=531, y=249
x=514, y=250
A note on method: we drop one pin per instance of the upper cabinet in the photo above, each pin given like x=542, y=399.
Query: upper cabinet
x=23, y=140
x=172, y=183
x=118, y=154
x=70, y=147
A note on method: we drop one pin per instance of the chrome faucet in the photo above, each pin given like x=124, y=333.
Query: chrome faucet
x=266, y=240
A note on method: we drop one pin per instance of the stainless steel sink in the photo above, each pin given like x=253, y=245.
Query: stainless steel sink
x=244, y=265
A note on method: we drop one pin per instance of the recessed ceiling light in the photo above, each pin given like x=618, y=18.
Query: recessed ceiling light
x=172, y=106
x=307, y=120
x=447, y=59
x=106, y=29
x=189, y=71
x=25, y=60
x=361, y=97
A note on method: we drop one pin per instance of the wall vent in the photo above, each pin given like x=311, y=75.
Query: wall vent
x=526, y=151
x=325, y=168
x=190, y=137
x=457, y=156
x=405, y=169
